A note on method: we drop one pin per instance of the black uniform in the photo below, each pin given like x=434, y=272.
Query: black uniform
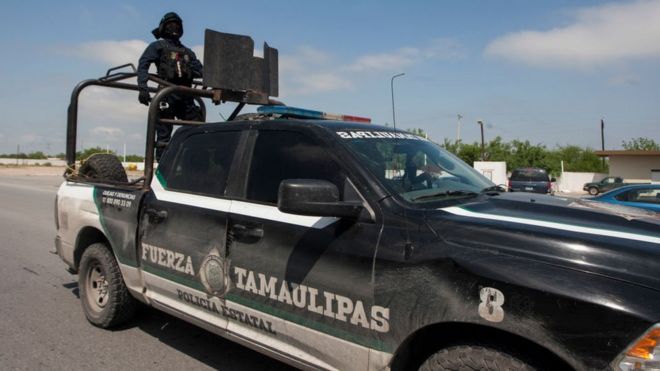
x=175, y=63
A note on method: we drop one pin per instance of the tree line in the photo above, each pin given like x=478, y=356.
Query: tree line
x=80, y=155
x=518, y=153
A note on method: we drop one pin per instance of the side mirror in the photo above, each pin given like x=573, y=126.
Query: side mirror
x=315, y=198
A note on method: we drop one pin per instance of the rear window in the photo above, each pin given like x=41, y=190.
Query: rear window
x=530, y=175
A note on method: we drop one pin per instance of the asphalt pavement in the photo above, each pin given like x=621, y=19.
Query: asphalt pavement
x=42, y=326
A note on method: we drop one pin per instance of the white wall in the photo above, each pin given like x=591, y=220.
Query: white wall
x=493, y=170
x=139, y=165
x=57, y=162
x=26, y=162
x=655, y=176
x=571, y=182
x=634, y=169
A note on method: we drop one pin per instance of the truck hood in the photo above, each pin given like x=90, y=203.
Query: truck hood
x=621, y=243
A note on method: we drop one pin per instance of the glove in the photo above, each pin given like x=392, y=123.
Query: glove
x=144, y=97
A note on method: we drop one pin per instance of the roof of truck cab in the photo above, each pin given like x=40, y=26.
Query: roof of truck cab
x=328, y=124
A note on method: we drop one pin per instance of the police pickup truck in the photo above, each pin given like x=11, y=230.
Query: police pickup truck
x=334, y=244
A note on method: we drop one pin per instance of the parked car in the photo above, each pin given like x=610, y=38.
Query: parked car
x=646, y=196
x=530, y=179
x=603, y=185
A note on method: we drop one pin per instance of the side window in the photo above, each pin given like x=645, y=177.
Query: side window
x=646, y=195
x=202, y=163
x=280, y=155
x=624, y=196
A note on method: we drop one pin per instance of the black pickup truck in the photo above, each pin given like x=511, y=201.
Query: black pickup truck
x=301, y=238
x=604, y=185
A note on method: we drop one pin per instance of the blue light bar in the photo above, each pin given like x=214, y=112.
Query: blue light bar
x=309, y=114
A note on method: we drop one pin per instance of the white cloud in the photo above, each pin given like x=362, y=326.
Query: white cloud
x=129, y=11
x=111, y=105
x=385, y=61
x=113, y=53
x=310, y=70
x=199, y=52
x=107, y=131
x=320, y=82
x=118, y=52
x=625, y=79
x=136, y=137
x=599, y=35
x=32, y=138
x=438, y=49
x=305, y=71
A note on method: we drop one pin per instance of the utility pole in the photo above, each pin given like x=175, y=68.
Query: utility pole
x=481, y=124
x=458, y=134
x=18, y=150
x=602, y=140
x=392, y=89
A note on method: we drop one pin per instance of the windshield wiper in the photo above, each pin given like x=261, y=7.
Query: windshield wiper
x=447, y=194
x=495, y=188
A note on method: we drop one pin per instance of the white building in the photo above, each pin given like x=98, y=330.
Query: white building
x=632, y=166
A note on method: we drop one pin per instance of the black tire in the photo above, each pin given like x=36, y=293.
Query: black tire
x=103, y=294
x=103, y=166
x=473, y=357
x=593, y=191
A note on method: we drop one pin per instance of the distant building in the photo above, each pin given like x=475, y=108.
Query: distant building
x=633, y=166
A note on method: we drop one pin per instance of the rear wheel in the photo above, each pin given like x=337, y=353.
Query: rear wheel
x=104, y=166
x=474, y=357
x=593, y=191
x=104, y=296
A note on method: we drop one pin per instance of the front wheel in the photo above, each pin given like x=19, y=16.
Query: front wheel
x=593, y=191
x=473, y=357
x=104, y=296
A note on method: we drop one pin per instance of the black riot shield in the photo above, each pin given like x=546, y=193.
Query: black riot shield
x=230, y=64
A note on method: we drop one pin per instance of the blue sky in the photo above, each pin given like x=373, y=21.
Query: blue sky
x=546, y=72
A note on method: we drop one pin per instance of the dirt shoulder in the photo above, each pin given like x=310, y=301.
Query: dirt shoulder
x=31, y=170
x=44, y=171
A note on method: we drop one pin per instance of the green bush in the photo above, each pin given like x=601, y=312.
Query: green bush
x=519, y=153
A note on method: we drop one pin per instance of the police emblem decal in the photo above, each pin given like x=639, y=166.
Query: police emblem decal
x=214, y=275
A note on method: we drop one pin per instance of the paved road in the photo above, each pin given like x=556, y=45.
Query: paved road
x=41, y=321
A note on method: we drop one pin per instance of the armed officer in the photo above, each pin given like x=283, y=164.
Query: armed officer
x=176, y=64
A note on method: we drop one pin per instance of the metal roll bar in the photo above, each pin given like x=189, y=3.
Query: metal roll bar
x=113, y=80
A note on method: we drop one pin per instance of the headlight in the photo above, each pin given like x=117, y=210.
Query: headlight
x=643, y=354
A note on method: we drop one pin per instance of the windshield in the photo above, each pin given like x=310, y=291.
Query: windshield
x=529, y=175
x=414, y=168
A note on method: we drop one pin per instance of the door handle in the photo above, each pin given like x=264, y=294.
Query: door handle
x=155, y=215
x=247, y=234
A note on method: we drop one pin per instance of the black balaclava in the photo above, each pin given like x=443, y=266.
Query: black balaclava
x=172, y=30
x=170, y=27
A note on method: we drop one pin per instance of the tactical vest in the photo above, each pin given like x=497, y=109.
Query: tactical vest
x=175, y=64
